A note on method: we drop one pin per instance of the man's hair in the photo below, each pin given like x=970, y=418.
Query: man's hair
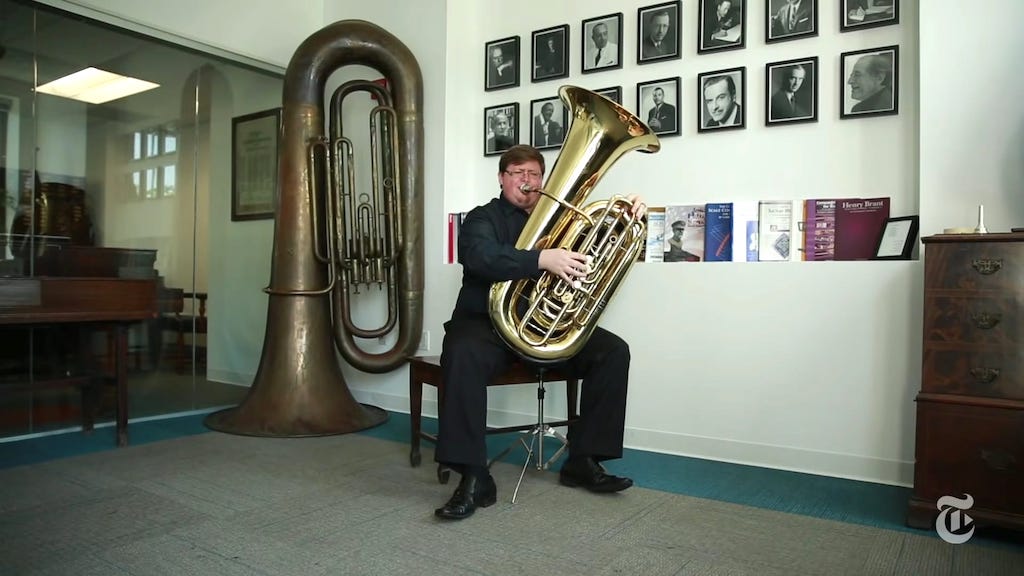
x=730, y=84
x=659, y=14
x=520, y=154
x=879, y=65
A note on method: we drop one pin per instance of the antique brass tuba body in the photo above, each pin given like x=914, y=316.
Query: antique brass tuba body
x=330, y=239
x=547, y=320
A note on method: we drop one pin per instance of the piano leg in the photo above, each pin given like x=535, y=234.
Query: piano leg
x=121, y=374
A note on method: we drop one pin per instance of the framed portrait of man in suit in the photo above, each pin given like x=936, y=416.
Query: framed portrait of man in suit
x=659, y=33
x=861, y=14
x=722, y=100
x=501, y=128
x=791, y=91
x=658, y=105
x=550, y=53
x=870, y=82
x=790, y=20
x=548, y=122
x=501, y=63
x=613, y=93
x=722, y=25
x=602, y=43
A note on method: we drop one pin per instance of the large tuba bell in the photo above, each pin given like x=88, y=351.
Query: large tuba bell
x=547, y=319
x=330, y=240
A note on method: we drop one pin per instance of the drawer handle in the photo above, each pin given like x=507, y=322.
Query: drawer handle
x=986, y=320
x=998, y=459
x=987, y=266
x=985, y=375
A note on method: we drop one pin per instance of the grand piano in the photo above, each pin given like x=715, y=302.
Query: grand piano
x=84, y=290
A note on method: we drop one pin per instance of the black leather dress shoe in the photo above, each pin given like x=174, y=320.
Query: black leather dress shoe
x=587, y=473
x=472, y=492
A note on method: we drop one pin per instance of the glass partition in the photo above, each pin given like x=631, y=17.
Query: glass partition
x=105, y=225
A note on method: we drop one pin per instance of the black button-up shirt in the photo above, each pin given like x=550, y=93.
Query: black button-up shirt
x=488, y=254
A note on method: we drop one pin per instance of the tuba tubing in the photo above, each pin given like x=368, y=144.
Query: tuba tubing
x=299, y=388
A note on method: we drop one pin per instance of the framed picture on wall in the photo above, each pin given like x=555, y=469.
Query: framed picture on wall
x=897, y=238
x=658, y=105
x=501, y=63
x=501, y=124
x=861, y=14
x=659, y=33
x=722, y=25
x=613, y=93
x=791, y=91
x=254, y=146
x=550, y=53
x=722, y=99
x=790, y=20
x=870, y=82
x=602, y=43
x=549, y=120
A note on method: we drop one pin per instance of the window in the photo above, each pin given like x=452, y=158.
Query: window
x=153, y=160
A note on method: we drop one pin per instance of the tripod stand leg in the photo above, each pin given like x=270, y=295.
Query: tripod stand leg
x=551, y=432
x=534, y=435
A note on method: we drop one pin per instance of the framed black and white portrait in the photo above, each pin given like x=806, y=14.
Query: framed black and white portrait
x=501, y=63
x=548, y=124
x=861, y=14
x=550, y=53
x=790, y=20
x=870, y=82
x=791, y=91
x=722, y=25
x=659, y=33
x=602, y=43
x=501, y=125
x=657, y=103
x=613, y=93
x=722, y=99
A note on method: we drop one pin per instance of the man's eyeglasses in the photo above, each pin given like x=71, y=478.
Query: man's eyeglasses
x=521, y=173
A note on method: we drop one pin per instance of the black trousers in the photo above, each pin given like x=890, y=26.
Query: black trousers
x=473, y=354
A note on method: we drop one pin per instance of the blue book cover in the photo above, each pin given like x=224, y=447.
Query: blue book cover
x=718, y=232
x=751, y=240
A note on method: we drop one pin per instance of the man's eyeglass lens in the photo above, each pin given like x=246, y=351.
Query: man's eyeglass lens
x=521, y=173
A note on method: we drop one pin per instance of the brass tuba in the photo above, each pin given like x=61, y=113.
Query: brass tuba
x=329, y=240
x=547, y=320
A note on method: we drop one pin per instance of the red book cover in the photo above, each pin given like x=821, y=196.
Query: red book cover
x=859, y=222
x=451, y=238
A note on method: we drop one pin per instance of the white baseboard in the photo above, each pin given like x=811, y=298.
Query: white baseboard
x=849, y=466
x=226, y=377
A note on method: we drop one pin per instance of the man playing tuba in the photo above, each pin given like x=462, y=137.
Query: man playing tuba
x=473, y=354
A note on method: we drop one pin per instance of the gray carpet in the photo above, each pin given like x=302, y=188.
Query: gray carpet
x=216, y=504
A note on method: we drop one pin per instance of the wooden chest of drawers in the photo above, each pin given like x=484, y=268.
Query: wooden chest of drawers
x=970, y=408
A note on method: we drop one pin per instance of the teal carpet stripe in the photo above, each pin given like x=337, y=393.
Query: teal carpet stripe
x=864, y=503
x=75, y=443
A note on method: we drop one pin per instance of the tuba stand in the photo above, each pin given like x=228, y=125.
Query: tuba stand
x=536, y=434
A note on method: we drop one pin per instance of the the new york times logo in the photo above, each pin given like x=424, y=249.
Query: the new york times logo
x=953, y=525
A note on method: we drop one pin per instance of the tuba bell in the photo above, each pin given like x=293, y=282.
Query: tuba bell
x=329, y=240
x=547, y=319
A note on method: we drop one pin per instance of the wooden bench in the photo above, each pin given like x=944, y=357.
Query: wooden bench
x=427, y=370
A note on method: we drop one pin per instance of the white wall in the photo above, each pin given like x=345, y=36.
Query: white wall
x=972, y=130
x=801, y=365
x=806, y=366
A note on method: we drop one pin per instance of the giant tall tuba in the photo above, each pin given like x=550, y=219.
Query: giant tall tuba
x=329, y=240
x=548, y=320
